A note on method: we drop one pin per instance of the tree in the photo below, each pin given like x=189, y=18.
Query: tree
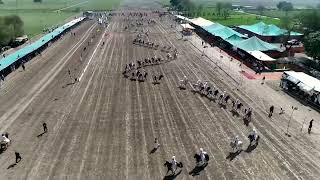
x=17, y=24
x=225, y=14
x=318, y=6
x=1, y=2
x=312, y=44
x=285, y=6
x=310, y=21
x=219, y=8
x=289, y=25
x=37, y=1
x=174, y=3
x=10, y=28
x=260, y=9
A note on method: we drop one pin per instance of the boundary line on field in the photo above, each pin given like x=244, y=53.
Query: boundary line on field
x=70, y=6
x=94, y=52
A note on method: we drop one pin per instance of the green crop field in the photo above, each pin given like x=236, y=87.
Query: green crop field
x=35, y=22
x=37, y=16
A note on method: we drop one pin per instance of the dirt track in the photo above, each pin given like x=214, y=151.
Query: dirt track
x=103, y=127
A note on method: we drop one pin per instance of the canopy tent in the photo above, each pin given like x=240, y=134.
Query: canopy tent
x=182, y=17
x=201, y=22
x=263, y=29
x=255, y=44
x=223, y=32
x=234, y=39
x=213, y=27
x=187, y=26
x=10, y=59
x=304, y=81
x=261, y=56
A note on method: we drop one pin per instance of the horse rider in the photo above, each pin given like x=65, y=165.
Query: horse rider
x=253, y=135
x=156, y=144
x=199, y=84
x=202, y=156
x=236, y=142
x=174, y=163
x=222, y=97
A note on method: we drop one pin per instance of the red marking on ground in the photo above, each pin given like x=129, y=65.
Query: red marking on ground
x=247, y=75
x=269, y=75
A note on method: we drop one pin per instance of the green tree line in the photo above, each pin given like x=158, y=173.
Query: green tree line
x=10, y=28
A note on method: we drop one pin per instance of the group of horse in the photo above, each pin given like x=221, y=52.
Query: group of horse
x=236, y=143
x=141, y=42
x=201, y=160
x=133, y=71
x=222, y=97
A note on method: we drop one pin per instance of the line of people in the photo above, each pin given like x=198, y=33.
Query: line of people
x=213, y=93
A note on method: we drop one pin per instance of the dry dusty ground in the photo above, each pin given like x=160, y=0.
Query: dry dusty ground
x=103, y=127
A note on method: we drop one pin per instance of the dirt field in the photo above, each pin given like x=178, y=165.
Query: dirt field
x=103, y=127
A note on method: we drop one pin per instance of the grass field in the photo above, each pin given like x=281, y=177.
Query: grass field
x=237, y=18
x=37, y=16
x=278, y=13
x=35, y=21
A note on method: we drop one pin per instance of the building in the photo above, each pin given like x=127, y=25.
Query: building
x=267, y=32
x=302, y=86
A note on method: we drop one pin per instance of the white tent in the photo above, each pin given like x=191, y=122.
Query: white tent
x=182, y=17
x=261, y=56
x=304, y=81
x=201, y=22
x=187, y=26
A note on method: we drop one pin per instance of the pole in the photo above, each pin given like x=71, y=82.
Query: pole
x=293, y=108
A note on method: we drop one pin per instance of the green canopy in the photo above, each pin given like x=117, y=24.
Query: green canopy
x=263, y=29
x=222, y=31
x=10, y=59
x=255, y=44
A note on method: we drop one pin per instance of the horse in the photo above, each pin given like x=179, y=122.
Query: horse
x=170, y=168
x=248, y=114
x=4, y=141
x=226, y=99
x=175, y=55
x=183, y=83
x=199, y=162
x=133, y=76
x=157, y=79
x=238, y=106
x=216, y=92
x=236, y=146
x=221, y=98
x=254, y=140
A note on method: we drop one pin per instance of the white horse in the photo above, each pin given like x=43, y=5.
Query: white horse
x=183, y=82
x=236, y=145
x=197, y=86
x=4, y=142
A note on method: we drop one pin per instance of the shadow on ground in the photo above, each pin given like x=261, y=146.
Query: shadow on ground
x=172, y=176
x=197, y=169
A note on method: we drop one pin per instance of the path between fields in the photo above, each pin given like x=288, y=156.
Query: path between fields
x=70, y=6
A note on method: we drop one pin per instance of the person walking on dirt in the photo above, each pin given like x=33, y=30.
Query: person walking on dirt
x=263, y=79
x=271, y=111
x=310, y=126
x=18, y=157
x=22, y=65
x=156, y=144
x=45, y=128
